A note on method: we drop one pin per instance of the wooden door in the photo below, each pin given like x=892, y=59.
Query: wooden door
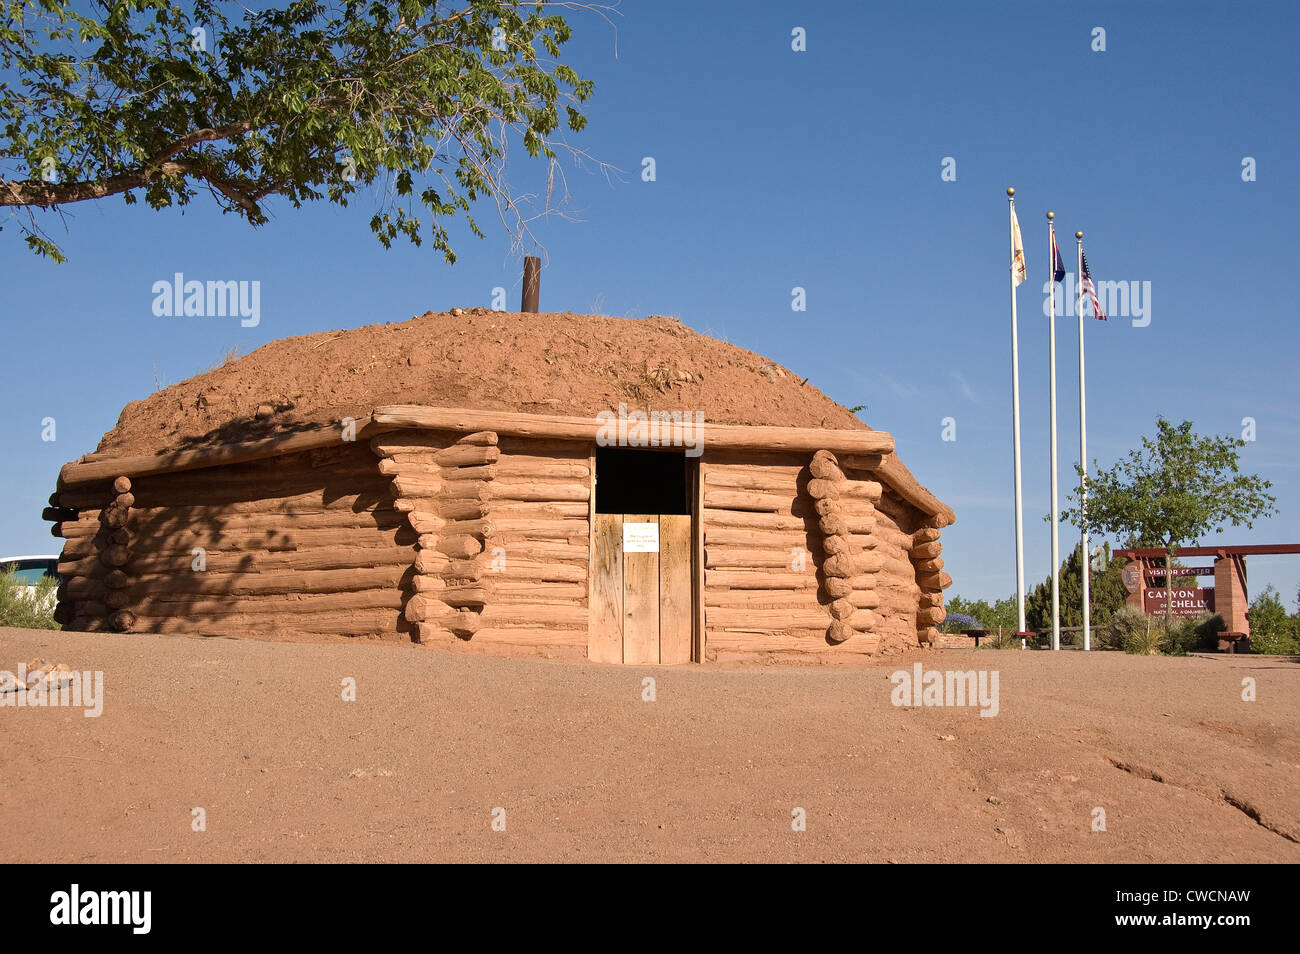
x=641, y=608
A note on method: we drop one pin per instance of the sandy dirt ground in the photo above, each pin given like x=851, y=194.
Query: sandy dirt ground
x=257, y=734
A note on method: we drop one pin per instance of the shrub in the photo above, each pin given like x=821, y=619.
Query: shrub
x=24, y=608
x=958, y=623
x=1271, y=630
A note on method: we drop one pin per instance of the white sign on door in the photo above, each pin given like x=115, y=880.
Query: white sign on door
x=640, y=538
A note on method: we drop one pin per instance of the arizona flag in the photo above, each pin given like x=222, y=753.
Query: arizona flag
x=1017, y=252
x=1058, y=267
x=1088, y=289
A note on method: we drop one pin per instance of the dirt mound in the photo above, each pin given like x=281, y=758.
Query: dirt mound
x=539, y=363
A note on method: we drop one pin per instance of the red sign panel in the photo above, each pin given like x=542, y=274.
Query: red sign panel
x=1188, y=602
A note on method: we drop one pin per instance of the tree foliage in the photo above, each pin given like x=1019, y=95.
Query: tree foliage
x=310, y=101
x=1271, y=629
x=1171, y=491
x=1106, y=594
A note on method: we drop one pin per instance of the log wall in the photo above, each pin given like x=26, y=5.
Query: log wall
x=481, y=543
x=503, y=527
x=300, y=546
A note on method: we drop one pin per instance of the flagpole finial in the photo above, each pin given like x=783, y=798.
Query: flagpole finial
x=1011, y=191
x=1050, y=216
x=1079, y=236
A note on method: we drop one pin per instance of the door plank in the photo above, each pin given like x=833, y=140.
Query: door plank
x=605, y=626
x=675, y=604
x=641, y=601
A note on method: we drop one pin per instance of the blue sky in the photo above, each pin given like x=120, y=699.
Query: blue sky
x=819, y=169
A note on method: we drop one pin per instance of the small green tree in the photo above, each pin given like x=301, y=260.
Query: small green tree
x=305, y=101
x=1174, y=489
x=1106, y=594
x=1271, y=629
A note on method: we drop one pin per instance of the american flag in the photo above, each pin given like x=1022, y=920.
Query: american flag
x=1089, y=291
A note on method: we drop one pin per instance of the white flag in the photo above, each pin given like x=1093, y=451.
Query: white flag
x=1017, y=252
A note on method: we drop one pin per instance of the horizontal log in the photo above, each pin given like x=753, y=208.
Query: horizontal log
x=218, y=563
x=461, y=545
x=278, y=582
x=523, y=614
x=484, y=569
x=109, y=468
x=841, y=565
x=773, y=619
x=462, y=509
x=892, y=472
x=542, y=511
x=353, y=623
x=540, y=529
x=834, y=545
x=748, y=500
x=839, y=631
x=717, y=556
x=754, y=479
x=864, y=599
x=167, y=605
x=926, y=551
x=808, y=439
x=931, y=598
x=925, y=535
x=539, y=490
x=186, y=538
x=72, y=529
x=59, y=514
x=116, y=599
x=836, y=587
x=929, y=566
x=514, y=466
x=423, y=522
x=467, y=455
x=832, y=525
x=749, y=520
x=724, y=643
x=464, y=596
x=781, y=542
x=542, y=551
x=865, y=621
x=930, y=615
x=758, y=580
x=417, y=485
x=825, y=466
x=934, y=581
x=427, y=582
x=215, y=522
x=820, y=489
x=927, y=634
x=195, y=510
x=841, y=609
x=421, y=608
x=763, y=599
x=866, y=579
x=428, y=468
x=533, y=637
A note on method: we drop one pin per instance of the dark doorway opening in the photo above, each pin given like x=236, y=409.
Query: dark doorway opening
x=642, y=481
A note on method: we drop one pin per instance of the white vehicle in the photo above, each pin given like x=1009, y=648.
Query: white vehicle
x=31, y=568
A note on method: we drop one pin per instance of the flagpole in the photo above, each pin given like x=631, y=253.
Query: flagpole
x=1051, y=343
x=1015, y=423
x=1083, y=462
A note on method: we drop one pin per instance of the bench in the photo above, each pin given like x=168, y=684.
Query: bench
x=1234, y=643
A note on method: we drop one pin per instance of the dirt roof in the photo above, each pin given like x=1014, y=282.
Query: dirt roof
x=561, y=364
